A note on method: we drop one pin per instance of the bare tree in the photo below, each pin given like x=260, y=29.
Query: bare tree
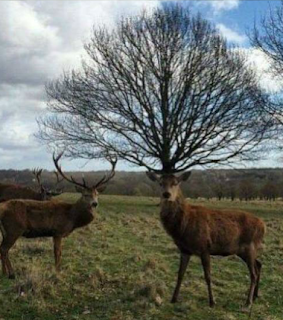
x=269, y=191
x=218, y=184
x=231, y=190
x=269, y=40
x=161, y=90
x=247, y=190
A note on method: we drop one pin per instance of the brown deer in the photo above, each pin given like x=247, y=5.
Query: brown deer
x=53, y=218
x=14, y=191
x=203, y=232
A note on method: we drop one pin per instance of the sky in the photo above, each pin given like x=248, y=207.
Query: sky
x=41, y=39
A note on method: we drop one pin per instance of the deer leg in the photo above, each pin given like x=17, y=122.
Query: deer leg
x=4, y=263
x=258, y=269
x=57, y=251
x=251, y=264
x=3, y=256
x=6, y=245
x=205, y=259
x=184, y=261
x=253, y=276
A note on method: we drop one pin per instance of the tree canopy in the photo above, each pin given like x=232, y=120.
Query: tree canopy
x=162, y=90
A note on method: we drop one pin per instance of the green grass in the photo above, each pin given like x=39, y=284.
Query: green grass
x=123, y=267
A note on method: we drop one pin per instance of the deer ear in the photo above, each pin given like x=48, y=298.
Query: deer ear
x=152, y=176
x=184, y=176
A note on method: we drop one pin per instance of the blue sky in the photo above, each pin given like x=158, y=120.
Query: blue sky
x=236, y=15
x=244, y=14
x=40, y=39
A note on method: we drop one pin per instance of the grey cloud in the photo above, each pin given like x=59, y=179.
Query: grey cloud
x=38, y=40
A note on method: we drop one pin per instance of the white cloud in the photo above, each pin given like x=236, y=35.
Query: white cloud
x=38, y=39
x=24, y=30
x=223, y=5
x=259, y=61
x=231, y=35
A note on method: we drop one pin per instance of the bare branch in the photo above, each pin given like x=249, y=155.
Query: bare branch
x=163, y=90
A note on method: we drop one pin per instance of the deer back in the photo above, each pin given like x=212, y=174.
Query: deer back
x=9, y=191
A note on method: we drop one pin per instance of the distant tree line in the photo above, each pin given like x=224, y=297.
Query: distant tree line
x=244, y=184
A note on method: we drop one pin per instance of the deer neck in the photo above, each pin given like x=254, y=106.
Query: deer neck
x=174, y=216
x=82, y=213
x=172, y=211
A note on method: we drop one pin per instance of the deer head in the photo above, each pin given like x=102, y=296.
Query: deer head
x=89, y=192
x=46, y=193
x=169, y=184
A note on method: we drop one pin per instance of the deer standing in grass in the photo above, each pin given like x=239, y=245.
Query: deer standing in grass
x=14, y=191
x=57, y=219
x=203, y=232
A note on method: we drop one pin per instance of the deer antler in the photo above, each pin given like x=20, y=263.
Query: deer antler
x=56, y=191
x=104, y=180
x=113, y=161
x=71, y=179
x=58, y=180
x=37, y=173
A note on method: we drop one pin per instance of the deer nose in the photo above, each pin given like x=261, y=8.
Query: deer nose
x=94, y=204
x=166, y=195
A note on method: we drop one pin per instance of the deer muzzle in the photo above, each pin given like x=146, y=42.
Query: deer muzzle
x=166, y=195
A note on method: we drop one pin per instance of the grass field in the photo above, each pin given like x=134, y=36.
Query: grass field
x=123, y=267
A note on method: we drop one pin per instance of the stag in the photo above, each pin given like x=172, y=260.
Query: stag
x=53, y=218
x=14, y=191
x=204, y=232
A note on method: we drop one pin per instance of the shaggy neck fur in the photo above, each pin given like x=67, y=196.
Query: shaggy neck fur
x=174, y=217
x=82, y=213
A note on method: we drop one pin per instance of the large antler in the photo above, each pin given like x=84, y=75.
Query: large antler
x=58, y=180
x=113, y=161
x=71, y=179
x=104, y=180
x=37, y=173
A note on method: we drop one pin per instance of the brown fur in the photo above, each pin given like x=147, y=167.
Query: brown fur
x=13, y=191
x=218, y=232
x=32, y=219
x=200, y=231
